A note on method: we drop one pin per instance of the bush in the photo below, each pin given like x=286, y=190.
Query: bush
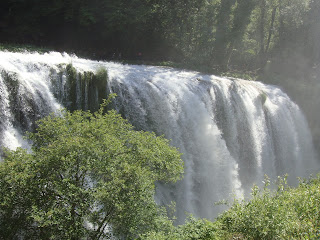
x=288, y=213
x=193, y=229
x=284, y=213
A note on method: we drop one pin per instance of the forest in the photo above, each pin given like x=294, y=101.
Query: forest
x=218, y=34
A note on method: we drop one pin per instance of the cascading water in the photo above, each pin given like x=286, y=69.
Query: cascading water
x=231, y=132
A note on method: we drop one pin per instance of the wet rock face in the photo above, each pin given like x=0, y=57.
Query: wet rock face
x=32, y=86
x=22, y=104
x=79, y=90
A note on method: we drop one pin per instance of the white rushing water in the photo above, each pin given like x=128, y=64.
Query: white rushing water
x=231, y=132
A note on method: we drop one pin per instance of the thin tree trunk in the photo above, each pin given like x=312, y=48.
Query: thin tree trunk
x=240, y=22
x=281, y=20
x=262, y=25
x=274, y=11
x=222, y=38
x=262, y=33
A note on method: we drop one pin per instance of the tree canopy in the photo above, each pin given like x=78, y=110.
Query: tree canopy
x=217, y=34
x=89, y=175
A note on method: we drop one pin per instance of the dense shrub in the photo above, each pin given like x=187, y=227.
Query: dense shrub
x=288, y=213
x=284, y=213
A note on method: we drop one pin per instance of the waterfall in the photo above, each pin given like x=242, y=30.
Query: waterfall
x=231, y=132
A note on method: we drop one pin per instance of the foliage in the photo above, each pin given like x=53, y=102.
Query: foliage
x=222, y=35
x=22, y=48
x=241, y=75
x=283, y=213
x=82, y=90
x=288, y=213
x=87, y=173
x=200, y=229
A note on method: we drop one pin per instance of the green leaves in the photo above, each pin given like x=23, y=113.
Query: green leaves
x=193, y=229
x=288, y=213
x=86, y=170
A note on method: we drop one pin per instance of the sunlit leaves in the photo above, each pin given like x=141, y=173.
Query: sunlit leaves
x=86, y=173
x=288, y=213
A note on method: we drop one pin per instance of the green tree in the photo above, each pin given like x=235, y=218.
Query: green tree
x=222, y=33
x=89, y=175
x=241, y=20
x=232, y=21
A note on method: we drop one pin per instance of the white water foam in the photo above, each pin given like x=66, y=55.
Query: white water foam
x=231, y=132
